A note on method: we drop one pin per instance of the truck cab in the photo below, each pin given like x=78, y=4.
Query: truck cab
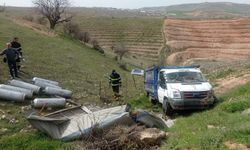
x=178, y=87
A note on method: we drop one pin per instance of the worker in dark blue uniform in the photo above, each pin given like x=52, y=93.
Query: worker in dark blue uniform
x=11, y=54
x=115, y=82
x=16, y=45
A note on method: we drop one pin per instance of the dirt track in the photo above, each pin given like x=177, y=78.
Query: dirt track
x=231, y=82
x=226, y=39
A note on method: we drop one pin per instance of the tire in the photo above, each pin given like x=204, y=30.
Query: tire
x=215, y=102
x=153, y=101
x=215, y=99
x=167, y=109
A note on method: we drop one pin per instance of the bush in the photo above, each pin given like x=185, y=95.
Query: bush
x=28, y=18
x=97, y=47
x=123, y=66
x=83, y=36
x=74, y=31
x=120, y=50
x=41, y=20
x=86, y=37
x=71, y=29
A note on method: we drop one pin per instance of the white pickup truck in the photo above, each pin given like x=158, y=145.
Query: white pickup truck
x=178, y=87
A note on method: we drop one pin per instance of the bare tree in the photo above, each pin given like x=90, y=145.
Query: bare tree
x=53, y=10
x=120, y=50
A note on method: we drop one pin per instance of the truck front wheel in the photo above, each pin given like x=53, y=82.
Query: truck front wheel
x=167, y=109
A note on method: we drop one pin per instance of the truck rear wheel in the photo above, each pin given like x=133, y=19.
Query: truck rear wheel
x=153, y=101
x=167, y=109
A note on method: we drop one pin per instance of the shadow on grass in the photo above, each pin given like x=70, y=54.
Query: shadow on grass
x=189, y=112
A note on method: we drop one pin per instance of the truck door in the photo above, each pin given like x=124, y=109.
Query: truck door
x=162, y=87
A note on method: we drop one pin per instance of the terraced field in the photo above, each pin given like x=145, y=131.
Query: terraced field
x=142, y=37
x=210, y=39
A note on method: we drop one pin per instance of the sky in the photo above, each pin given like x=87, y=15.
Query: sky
x=131, y=4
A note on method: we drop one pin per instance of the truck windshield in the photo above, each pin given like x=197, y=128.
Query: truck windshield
x=190, y=77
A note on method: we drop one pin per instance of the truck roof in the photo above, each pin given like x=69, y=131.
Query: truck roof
x=181, y=70
x=171, y=67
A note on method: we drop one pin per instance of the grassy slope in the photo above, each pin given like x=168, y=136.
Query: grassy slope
x=59, y=58
x=76, y=67
x=191, y=131
x=144, y=29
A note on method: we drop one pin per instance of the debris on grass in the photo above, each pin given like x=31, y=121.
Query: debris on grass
x=125, y=137
x=234, y=146
x=111, y=128
x=74, y=123
x=215, y=127
x=149, y=119
x=47, y=93
x=246, y=112
x=3, y=131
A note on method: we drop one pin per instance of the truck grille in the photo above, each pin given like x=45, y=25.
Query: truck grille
x=195, y=95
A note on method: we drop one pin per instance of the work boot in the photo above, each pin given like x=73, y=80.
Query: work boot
x=117, y=98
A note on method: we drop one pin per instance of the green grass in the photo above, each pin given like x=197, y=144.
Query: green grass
x=220, y=74
x=237, y=105
x=143, y=103
x=76, y=67
x=191, y=130
x=230, y=125
x=59, y=58
x=31, y=141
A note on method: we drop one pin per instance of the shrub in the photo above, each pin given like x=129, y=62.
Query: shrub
x=97, y=47
x=123, y=66
x=74, y=31
x=83, y=36
x=28, y=18
x=120, y=50
x=71, y=29
x=86, y=37
x=41, y=20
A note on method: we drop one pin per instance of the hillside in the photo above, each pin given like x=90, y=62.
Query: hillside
x=197, y=39
x=59, y=58
x=201, y=10
x=47, y=58
x=142, y=37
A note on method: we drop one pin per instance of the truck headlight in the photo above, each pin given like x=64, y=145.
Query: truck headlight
x=177, y=94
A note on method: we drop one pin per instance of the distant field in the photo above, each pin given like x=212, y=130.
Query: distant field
x=212, y=10
x=142, y=37
x=140, y=34
x=207, y=39
x=140, y=30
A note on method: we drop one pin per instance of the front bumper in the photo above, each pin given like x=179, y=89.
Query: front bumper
x=182, y=104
